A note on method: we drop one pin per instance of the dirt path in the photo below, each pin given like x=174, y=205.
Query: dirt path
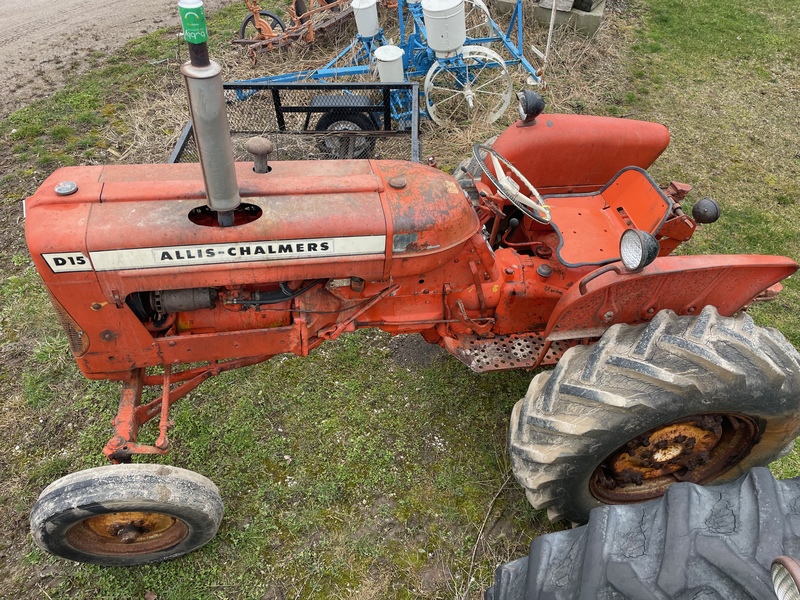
x=43, y=43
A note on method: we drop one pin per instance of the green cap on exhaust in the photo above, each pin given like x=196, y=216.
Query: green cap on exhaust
x=193, y=20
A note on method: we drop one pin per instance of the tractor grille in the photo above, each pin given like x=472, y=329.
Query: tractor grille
x=78, y=340
x=319, y=121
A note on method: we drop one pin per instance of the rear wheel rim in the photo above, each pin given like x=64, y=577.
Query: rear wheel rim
x=697, y=449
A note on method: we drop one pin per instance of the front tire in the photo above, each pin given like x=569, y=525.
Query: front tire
x=129, y=514
x=699, y=399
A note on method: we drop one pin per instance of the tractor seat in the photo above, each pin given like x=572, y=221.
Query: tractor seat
x=589, y=226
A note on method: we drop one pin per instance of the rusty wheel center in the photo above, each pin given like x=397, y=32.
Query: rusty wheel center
x=127, y=533
x=696, y=449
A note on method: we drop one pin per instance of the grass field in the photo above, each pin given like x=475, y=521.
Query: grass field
x=376, y=467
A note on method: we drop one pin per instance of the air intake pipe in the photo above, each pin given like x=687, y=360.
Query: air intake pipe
x=209, y=119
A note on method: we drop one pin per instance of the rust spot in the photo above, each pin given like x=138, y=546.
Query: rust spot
x=696, y=449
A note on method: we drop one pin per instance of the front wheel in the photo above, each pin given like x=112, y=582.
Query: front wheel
x=129, y=514
x=699, y=399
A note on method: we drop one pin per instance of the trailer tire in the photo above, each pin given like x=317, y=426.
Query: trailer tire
x=338, y=147
x=129, y=514
x=695, y=542
x=700, y=399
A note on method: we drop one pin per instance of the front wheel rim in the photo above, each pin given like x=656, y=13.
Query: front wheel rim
x=127, y=533
x=697, y=449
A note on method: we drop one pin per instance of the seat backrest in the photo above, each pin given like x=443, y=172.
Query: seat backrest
x=578, y=154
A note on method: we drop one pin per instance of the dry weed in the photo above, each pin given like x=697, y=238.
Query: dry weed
x=580, y=73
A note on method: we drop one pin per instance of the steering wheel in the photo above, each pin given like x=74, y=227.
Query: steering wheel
x=531, y=204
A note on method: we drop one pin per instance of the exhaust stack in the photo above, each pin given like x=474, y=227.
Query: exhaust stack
x=209, y=119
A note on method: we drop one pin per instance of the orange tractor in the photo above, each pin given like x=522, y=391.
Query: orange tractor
x=166, y=275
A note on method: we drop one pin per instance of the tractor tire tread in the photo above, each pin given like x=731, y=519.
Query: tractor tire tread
x=694, y=542
x=599, y=397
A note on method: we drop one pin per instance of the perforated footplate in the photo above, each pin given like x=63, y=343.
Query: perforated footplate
x=514, y=351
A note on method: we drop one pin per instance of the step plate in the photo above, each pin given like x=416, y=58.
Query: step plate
x=502, y=352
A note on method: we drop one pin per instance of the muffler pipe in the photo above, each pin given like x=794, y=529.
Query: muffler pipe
x=212, y=136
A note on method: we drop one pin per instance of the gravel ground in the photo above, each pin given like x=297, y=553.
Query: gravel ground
x=45, y=43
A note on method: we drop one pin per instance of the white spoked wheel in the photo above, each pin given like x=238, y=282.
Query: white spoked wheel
x=476, y=86
x=478, y=22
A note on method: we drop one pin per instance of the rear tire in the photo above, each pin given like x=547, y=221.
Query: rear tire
x=301, y=9
x=699, y=399
x=130, y=514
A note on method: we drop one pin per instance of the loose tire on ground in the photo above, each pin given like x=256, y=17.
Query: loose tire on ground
x=700, y=399
x=129, y=514
x=699, y=543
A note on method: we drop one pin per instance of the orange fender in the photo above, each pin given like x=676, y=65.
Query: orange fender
x=683, y=284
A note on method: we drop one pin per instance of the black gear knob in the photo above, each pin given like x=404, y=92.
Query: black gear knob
x=706, y=211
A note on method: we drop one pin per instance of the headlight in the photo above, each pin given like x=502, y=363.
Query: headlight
x=531, y=105
x=785, y=576
x=637, y=249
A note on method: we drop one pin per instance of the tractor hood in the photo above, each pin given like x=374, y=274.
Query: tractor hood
x=141, y=227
